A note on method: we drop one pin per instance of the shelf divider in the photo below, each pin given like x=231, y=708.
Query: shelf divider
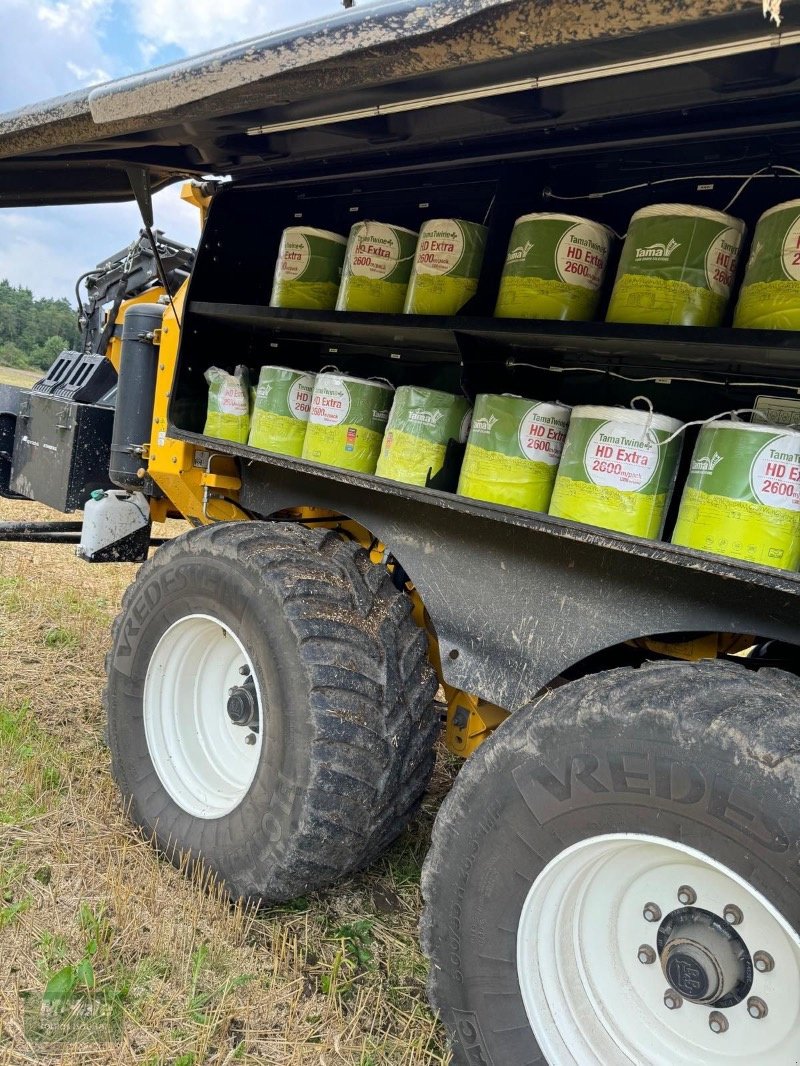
x=774, y=354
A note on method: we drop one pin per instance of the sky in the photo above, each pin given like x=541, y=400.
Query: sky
x=50, y=47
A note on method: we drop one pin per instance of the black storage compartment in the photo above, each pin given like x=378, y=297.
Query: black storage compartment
x=61, y=451
x=601, y=154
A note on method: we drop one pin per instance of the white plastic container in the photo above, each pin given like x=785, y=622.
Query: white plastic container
x=116, y=527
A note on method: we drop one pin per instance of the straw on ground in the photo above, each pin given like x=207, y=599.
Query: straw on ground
x=152, y=967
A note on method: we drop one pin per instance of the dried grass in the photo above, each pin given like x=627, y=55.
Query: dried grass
x=335, y=978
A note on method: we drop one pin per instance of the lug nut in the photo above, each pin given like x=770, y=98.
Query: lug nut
x=732, y=914
x=763, y=962
x=646, y=955
x=652, y=912
x=672, y=999
x=717, y=1022
x=687, y=895
x=250, y=738
x=756, y=1007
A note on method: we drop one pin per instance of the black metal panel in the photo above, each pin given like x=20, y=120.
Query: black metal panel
x=517, y=598
x=61, y=451
x=199, y=116
x=9, y=407
x=84, y=377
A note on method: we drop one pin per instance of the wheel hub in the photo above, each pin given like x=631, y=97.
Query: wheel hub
x=610, y=973
x=704, y=958
x=242, y=706
x=692, y=971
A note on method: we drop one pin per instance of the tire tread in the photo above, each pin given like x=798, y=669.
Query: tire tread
x=371, y=709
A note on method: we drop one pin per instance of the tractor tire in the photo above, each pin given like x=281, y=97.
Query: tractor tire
x=299, y=637
x=615, y=876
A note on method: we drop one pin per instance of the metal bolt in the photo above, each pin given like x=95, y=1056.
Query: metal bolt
x=732, y=914
x=672, y=999
x=250, y=738
x=717, y=1022
x=687, y=895
x=652, y=912
x=763, y=962
x=244, y=670
x=646, y=955
x=756, y=1007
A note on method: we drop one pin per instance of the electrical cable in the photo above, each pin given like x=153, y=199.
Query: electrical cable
x=162, y=274
x=661, y=379
x=763, y=172
x=119, y=296
x=83, y=277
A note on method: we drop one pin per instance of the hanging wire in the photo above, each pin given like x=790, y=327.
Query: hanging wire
x=764, y=172
x=734, y=416
x=658, y=379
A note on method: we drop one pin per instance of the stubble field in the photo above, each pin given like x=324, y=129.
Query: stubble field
x=151, y=967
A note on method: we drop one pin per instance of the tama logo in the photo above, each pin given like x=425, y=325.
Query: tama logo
x=426, y=418
x=706, y=463
x=484, y=425
x=520, y=253
x=658, y=251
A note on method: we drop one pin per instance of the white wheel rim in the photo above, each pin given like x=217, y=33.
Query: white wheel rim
x=589, y=999
x=202, y=759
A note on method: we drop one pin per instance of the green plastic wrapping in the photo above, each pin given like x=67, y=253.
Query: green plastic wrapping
x=447, y=266
x=513, y=451
x=281, y=410
x=377, y=266
x=617, y=471
x=309, y=269
x=421, y=424
x=554, y=268
x=346, y=422
x=770, y=293
x=228, y=415
x=742, y=495
x=677, y=267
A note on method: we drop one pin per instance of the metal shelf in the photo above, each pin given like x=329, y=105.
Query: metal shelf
x=721, y=352
x=535, y=521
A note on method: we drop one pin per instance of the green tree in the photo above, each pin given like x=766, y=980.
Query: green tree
x=33, y=332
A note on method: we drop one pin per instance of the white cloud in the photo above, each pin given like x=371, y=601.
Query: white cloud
x=66, y=13
x=88, y=75
x=50, y=48
x=215, y=23
x=45, y=249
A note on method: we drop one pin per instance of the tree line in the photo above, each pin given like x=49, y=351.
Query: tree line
x=33, y=332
